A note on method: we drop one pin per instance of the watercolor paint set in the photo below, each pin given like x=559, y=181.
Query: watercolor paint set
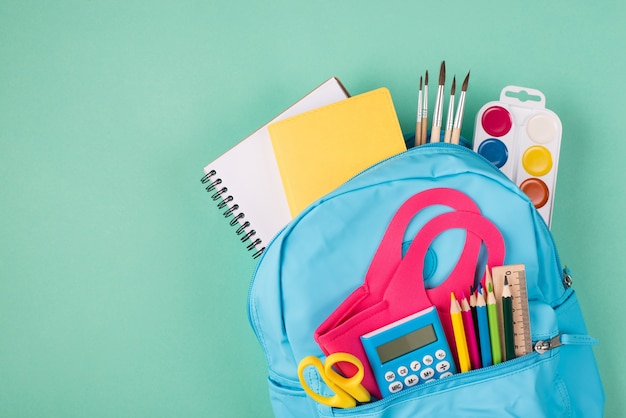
x=522, y=138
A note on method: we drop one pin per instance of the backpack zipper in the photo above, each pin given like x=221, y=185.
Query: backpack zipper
x=542, y=346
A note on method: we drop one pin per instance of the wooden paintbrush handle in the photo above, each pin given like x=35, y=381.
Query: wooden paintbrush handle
x=456, y=135
x=435, y=134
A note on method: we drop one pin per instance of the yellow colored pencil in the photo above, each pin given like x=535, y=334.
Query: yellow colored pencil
x=459, y=334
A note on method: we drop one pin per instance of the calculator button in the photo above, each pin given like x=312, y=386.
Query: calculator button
x=442, y=366
x=403, y=371
x=395, y=387
x=446, y=374
x=390, y=376
x=427, y=373
x=428, y=360
x=411, y=380
x=440, y=354
x=415, y=365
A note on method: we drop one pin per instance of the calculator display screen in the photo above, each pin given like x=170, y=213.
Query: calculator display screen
x=409, y=342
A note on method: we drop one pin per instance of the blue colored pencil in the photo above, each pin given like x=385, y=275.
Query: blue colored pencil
x=483, y=328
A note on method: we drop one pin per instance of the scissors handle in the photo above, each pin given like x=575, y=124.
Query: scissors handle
x=347, y=391
x=352, y=385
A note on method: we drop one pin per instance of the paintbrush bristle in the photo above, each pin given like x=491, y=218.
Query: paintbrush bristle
x=453, y=89
x=464, y=87
x=426, y=78
x=420, y=82
x=442, y=73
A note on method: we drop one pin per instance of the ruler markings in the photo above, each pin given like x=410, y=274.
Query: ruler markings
x=516, y=275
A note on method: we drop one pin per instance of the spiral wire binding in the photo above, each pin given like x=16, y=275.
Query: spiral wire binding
x=224, y=200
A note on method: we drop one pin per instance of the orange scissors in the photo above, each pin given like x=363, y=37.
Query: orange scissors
x=348, y=390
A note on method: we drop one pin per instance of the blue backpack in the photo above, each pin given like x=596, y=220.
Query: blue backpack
x=323, y=255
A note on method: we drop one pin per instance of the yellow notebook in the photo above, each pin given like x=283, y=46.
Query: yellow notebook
x=319, y=150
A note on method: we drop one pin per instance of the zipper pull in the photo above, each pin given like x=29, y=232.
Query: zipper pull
x=542, y=346
x=567, y=277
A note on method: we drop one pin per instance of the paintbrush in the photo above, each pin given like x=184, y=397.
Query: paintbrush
x=418, y=124
x=435, y=132
x=448, y=134
x=458, y=118
x=424, y=111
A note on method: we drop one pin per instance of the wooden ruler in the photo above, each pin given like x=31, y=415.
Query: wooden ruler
x=516, y=276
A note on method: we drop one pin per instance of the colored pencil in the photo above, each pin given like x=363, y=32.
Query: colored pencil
x=483, y=329
x=507, y=316
x=472, y=304
x=494, y=331
x=459, y=334
x=470, y=335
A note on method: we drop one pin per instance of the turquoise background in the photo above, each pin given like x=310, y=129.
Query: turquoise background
x=123, y=291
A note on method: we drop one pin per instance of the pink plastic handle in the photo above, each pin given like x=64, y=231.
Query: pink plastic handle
x=389, y=253
x=406, y=288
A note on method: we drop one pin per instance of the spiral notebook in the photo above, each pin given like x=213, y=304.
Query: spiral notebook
x=245, y=182
x=319, y=150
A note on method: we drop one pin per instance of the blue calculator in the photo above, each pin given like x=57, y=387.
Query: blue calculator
x=408, y=352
